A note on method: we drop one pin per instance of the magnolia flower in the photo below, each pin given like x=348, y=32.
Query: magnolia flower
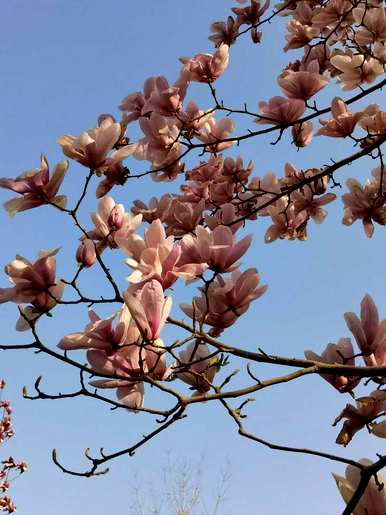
x=251, y=14
x=340, y=353
x=369, y=332
x=356, y=69
x=162, y=98
x=217, y=248
x=157, y=208
x=198, y=370
x=184, y=217
x=373, y=500
x=343, y=122
x=110, y=222
x=34, y=283
x=86, y=254
x=149, y=308
x=215, y=132
x=366, y=410
x=306, y=205
x=206, y=67
x=92, y=147
x=225, y=300
x=302, y=84
x=36, y=187
x=373, y=25
x=363, y=203
x=224, y=32
x=156, y=257
x=299, y=35
x=280, y=111
x=302, y=134
x=287, y=223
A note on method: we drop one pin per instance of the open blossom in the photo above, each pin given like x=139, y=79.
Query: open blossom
x=363, y=203
x=214, y=132
x=198, y=369
x=116, y=351
x=111, y=221
x=251, y=14
x=183, y=217
x=366, y=410
x=217, y=248
x=157, y=257
x=36, y=187
x=356, y=70
x=224, y=32
x=302, y=84
x=306, y=205
x=160, y=145
x=287, y=223
x=373, y=120
x=339, y=353
x=373, y=25
x=343, y=121
x=299, y=35
x=157, y=208
x=92, y=147
x=227, y=298
x=34, y=283
x=157, y=96
x=149, y=308
x=373, y=500
x=369, y=332
x=206, y=67
x=280, y=111
x=227, y=215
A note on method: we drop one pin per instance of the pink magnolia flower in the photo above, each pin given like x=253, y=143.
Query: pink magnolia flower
x=363, y=203
x=369, y=332
x=302, y=84
x=343, y=122
x=160, y=145
x=156, y=257
x=198, y=370
x=366, y=410
x=227, y=300
x=373, y=25
x=86, y=253
x=251, y=14
x=113, y=170
x=224, y=216
x=299, y=35
x=356, y=70
x=149, y=308
x=157, y=96
x=280, y=111
x=224, y=32
x=206, y=67
x=302, y=134
x=36, y=187
x=129, y=393
x=183, y=217
x=157, y=208
x=110, y=222
x=217, y=248
x=34, y=283
x=306, y=205
x=91, y=148
x=339, y=353
x=287, y=223
x=215, y=132
x=373, y=500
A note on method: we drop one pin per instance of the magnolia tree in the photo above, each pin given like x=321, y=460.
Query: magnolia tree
x=193, y=235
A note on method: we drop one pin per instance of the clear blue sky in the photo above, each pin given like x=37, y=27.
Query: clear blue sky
x=64, y=63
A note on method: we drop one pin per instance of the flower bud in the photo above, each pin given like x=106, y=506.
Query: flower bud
x=116, y=217
x=86, y=255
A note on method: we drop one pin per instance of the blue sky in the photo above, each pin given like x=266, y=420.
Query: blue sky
x=63, y=64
